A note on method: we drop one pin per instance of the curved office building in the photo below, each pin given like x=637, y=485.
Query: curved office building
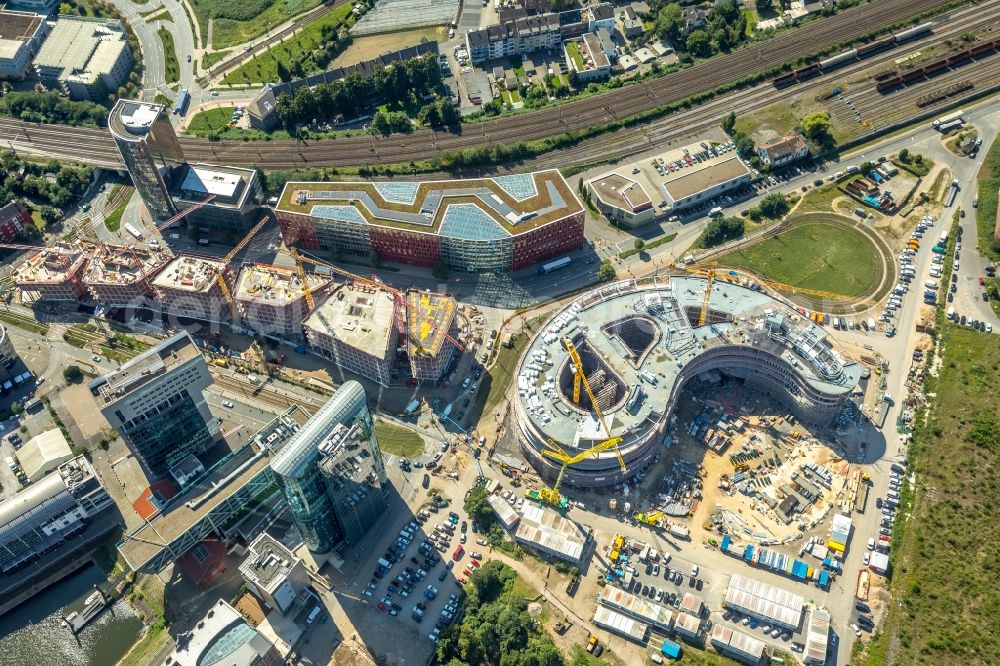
x=332, y=474
x=640, y=344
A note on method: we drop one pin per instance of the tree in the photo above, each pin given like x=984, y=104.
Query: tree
x=774, y=205
x=729, y=123
x=720, y=230
x=816, y=127
x=73, y=374
x=639, y=244
x=670, y=23
x=699, y=44
x=283, y=73
x=866, y=168
x=904, y=155
x=479, y=509
x=606, y=271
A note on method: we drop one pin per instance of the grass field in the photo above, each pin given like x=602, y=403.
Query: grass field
x=211, y=120
x=171, y=68
x=785, y=116
x=813, y=256
x=987, y=214
x=113, y=220
x=239, y=22
x=573, y=49
x=210, y=59
x=398, y=441
x=264, y=67
x=946, y=602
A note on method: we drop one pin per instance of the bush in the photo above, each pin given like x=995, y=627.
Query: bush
x=774, y=205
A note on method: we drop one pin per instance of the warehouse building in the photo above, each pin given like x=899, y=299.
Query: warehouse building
x=189, y=287
x=620, y=624
x=120, y=276
x=656, y=616
x=43, y=453
x=53, y=274
x=667, y=184
x=86, y=58
x=817, y=636
x=737, y=645
x=505, y=512
x=21, y=35
x=550, y=534
x=479, y=225
x=272, y=300
x=688, y=626
x=44, y=514
x=764, y=602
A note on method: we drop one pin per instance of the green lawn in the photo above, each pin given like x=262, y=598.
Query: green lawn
x=239, y=22
x=210, y=59
x=264, y=67
x=211, y=120
x=945, y=597
x=398, y=441
x=987, y=214
x=813, y=255
x=171, y=68
x=573, y=49
x=113, y=220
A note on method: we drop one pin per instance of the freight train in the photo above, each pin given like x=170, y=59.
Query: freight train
x=853, y=55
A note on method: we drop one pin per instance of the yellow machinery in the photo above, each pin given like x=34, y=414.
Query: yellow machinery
x=611, y=442
x=233, y=310
x=653, y=518
x=703, y=314
x=306, y=292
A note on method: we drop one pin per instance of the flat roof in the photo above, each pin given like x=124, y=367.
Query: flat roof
x=16, y=29
x=477, y=209
x=189, y=273
x=703, y=176
x=147, y=366
x=131, y=120
x=429, y=317
x=664, y=308
x=82, y=48
x=620, y=624
x=123, y=265
x=273, y=285
x=221, y=636
x=201, y=498
x=268, y=562
x=661, y=178
x=595, y=51
x=358, y=315
x=229, y=185
x=50, y=264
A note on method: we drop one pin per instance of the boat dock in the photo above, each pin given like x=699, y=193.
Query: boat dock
x=92, y=608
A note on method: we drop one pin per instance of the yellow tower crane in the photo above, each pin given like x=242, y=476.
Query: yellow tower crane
x=233, y=310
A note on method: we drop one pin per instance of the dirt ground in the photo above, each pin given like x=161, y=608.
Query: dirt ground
x=366, y=48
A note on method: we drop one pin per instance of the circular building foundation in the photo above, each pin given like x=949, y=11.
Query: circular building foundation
x=640, y=344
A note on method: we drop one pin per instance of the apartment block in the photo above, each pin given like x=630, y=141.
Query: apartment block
x=189, y=287
x=119, y=276
x=21, y=35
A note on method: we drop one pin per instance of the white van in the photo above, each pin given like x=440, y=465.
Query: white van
x=931, y=284
x=951, y=312
x=313, y=614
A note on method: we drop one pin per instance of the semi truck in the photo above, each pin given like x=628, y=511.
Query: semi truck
x=952, y=193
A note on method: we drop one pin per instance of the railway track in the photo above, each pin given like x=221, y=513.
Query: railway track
x=573, y=116
x=264, y=394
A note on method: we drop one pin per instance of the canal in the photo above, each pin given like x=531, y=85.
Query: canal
x=32, y=633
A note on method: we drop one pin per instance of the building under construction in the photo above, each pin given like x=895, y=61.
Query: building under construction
x=120, y=275
x=53, y=274
x=271, y=299
x=358, y=327
x=189, y=287
x=355, y=328
x=430, y=340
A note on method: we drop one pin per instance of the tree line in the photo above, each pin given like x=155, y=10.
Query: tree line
x=725, y=28
x=406, y=84
x=56, y=183
x=52, y=107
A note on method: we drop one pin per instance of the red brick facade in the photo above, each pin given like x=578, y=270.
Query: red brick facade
x=548, y=241
x=13, y=219
x=405, y=247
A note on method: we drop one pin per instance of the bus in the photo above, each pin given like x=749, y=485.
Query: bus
x=180, y=106
x=133, y=231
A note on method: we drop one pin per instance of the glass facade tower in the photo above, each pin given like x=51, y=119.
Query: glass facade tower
x=150, y=150
x=331, y=472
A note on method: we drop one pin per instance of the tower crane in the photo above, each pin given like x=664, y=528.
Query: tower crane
x=783, y=287
x=551, y=495
x=703, y=313
x=184, y=213
x=233, y=310
x=582, y=377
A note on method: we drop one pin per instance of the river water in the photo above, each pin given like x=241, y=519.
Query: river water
x=31, y=634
